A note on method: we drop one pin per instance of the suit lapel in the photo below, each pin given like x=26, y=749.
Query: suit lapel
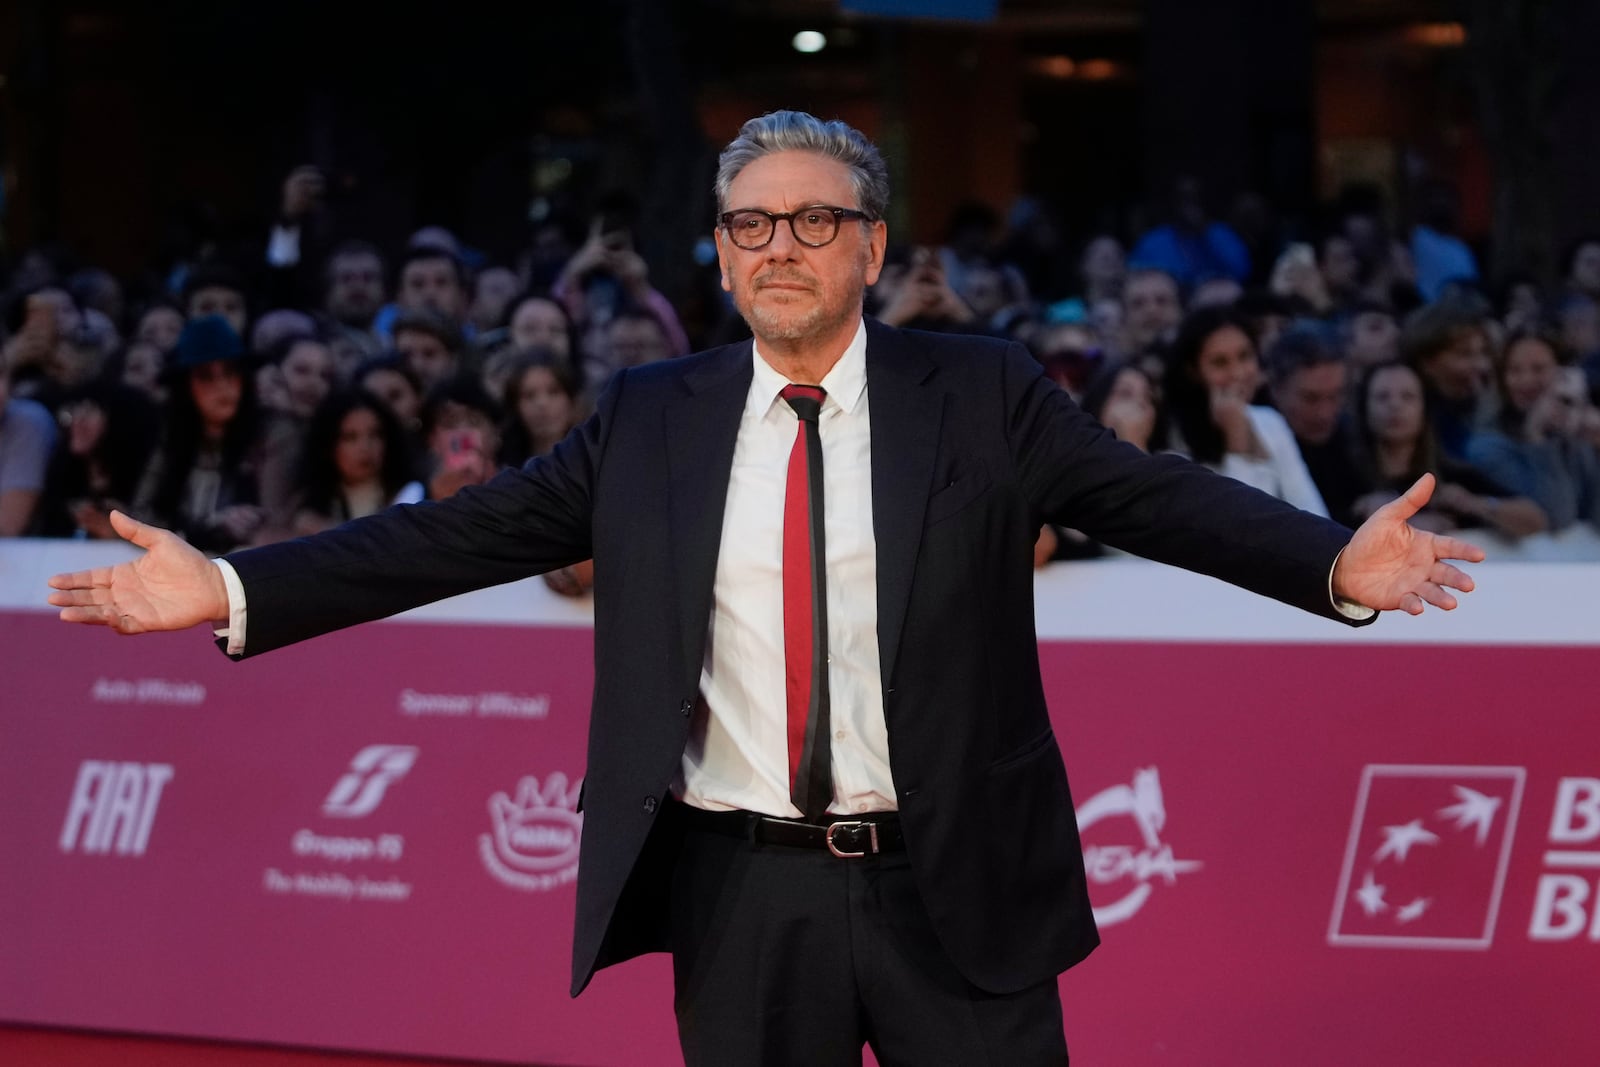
x=700, y=429
x=906, y=416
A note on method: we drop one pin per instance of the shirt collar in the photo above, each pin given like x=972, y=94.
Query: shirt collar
x=845, y=383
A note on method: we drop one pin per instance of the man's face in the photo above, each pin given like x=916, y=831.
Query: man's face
x=1152, y=308
x=790, y=293
x=431, y=284
x=355, y=288
x=1461, y=371
x=219, y=300
x=635, y=341
x=1311, y=399
x=1586, y=269
x=426, y=355
x=1374, y=339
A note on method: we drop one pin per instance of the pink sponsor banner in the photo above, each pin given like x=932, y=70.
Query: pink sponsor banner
x=1300, y=853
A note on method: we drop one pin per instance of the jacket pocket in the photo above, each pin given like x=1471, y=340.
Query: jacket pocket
x=967, y=486
x=1018, y=756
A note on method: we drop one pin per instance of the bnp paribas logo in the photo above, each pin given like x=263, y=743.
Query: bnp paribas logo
x=1425, y=865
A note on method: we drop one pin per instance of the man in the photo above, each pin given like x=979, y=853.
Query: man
x=930, y=907
x=353, y=293
x=430, y=345
x=1151, y=309
x=1447, y=343
x=1310, y=387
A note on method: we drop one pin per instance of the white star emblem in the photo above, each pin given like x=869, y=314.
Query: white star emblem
x=1473, y=809
x=1370, y=896
x=1397, y=840
x=1413, y=910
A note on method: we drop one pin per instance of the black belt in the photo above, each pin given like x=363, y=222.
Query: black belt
x=844, y=836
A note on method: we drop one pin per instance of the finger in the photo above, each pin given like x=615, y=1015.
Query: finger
x=1444, y=574
x=1455, y=548
x=130, y=529
x=78, y=598
x=1436, y=596
x=1411, y=604
x=1414, y=499
x=102, y=615
x=98, y=576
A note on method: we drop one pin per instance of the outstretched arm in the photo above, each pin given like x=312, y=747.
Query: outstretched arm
x=171, y=587
x=1390, y=564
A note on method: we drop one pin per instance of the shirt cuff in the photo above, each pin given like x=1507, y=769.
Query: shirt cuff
x=235, y=629
x=1348, y=608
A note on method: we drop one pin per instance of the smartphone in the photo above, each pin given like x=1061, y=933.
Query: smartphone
x=463, y=448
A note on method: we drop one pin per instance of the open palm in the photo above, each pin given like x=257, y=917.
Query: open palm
x=1390, y=564
x=171, y=587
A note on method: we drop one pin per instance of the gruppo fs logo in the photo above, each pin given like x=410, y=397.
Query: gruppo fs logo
x=1426, y=862
x=534, y=844
x=1109, y=865
x=359, y=790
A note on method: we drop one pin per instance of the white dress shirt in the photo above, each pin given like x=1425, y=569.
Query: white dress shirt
x=738, y=756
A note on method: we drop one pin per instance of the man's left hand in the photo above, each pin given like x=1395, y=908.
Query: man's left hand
x=1390, y=564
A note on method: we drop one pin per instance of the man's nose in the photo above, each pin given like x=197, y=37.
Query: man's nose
x=783, y=245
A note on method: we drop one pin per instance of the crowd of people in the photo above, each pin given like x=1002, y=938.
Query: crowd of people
x=315, y=382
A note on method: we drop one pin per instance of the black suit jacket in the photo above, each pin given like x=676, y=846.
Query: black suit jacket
x=972, y=448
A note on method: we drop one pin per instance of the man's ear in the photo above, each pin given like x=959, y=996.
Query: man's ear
x=875, y=250
x=722, y=259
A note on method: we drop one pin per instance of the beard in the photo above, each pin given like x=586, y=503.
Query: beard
x=796, y=322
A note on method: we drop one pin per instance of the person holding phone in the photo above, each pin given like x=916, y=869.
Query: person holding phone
x=460, y=434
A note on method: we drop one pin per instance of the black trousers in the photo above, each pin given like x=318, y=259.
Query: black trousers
x=794, y=956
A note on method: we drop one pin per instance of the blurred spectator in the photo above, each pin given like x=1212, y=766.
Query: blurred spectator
x=40, y=325
x=1539, y=446
x=541, y=406
x=604, y=278
x=1215, y=292
x=913, y=292
x=160, y=325
x=1070, y=354
x=1127, y=401
x=1582, y=267
x=108, y=434
x=216, y=289
x=492, y=292
x=1449, y=347
x=537, y=321
x=1104, y=267
x=1521, y=303
x=632, y=339
x=1190, y=246
x=461, y=436
x=971, y=239
x=355, y=461
x=431, y=345
x=98, y=290
x=388, y=378
x=298, y=239
x=203, y=480
x=1151, y=310
x=277, y=326
x=353, y=294
x=1396, y=445
x=431, y=280
x=1295, y=275
x=1310, y=387
x=27, y=435
x=1439, y=255
x=142, y=366
x=1341, y=269
x=1213, y=371
x=1370, y=336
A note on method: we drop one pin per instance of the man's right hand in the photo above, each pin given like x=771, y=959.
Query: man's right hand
x=173, y=586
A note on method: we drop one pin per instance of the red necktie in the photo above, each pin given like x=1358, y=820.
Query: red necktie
x=805, y=612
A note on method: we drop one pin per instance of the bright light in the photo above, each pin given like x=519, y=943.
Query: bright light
x=809, y=41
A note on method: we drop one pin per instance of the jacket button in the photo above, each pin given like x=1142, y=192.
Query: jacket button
x=649, y=804
x=686, y=708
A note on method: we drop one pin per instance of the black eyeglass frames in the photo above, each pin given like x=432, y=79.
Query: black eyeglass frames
x=814, y=227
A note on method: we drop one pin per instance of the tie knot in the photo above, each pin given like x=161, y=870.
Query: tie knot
x=806, y=400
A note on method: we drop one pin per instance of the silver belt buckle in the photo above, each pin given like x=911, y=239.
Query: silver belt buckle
x=872, y=838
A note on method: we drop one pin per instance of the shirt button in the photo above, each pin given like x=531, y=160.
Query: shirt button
x=649, y=804
x=839, y=735
x=863, y=807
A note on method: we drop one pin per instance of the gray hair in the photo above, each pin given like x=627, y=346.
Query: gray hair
x=796, y=131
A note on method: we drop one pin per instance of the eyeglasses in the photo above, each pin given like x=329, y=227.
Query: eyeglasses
x=813, y=227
